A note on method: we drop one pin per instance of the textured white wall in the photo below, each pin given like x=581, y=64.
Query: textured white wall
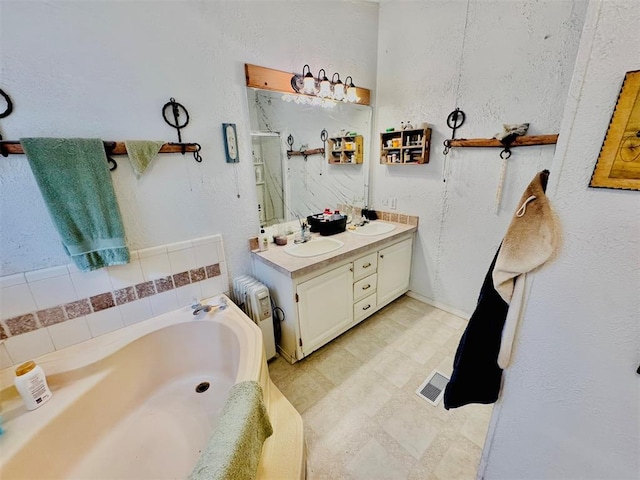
x=104, y=69
x=571, y=399
x=516, y=67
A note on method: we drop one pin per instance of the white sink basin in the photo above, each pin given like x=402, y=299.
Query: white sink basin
x=317, y=246
x=374, y=228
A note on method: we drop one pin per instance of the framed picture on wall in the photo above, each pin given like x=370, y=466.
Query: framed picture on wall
x=618, y=165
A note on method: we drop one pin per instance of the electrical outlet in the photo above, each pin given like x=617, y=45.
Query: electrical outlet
x=394, y=203
x=385, y=202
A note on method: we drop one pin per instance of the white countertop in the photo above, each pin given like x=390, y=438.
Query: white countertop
x=354, y=244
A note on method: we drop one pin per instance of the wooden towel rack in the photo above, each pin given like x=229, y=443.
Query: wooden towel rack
x=524, y=141
x=305, y=153
x=113, y=148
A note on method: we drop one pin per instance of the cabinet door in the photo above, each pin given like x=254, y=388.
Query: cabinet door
x=325, y=307
x=394, y=270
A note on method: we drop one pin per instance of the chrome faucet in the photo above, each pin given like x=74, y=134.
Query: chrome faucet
x=199, y=307
x=305, y=234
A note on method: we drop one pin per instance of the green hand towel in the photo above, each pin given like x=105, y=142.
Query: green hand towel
x=141, y=153
x=76, y=185
x=234, y=449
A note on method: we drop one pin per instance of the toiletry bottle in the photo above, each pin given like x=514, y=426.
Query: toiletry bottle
x=263, y=240
x=32, y=385
x=326, y=216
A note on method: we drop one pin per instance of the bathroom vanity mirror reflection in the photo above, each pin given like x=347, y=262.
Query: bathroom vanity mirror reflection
x=299, y=186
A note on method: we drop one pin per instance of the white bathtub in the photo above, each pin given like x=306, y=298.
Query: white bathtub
x=124, y=404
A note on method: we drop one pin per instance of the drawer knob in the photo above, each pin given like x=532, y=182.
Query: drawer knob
x=366, y=287
x=366, y=265
x=381, y=255
x=367, y=307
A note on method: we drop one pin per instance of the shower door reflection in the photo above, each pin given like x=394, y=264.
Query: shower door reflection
x=271, y=185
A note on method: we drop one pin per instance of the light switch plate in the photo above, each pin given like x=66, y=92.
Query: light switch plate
x=230, y=142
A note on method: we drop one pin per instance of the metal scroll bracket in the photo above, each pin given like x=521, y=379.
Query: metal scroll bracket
x=454, y=121
x=6, y=113
x=324, y=135
x=178, y=110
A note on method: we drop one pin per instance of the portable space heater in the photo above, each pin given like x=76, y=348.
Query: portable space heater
x=254, y=300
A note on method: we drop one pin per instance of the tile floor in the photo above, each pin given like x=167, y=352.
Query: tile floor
x=357, y=399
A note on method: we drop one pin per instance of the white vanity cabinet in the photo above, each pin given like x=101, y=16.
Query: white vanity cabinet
x=393, y=273
x=325, y=306
x=325, y=299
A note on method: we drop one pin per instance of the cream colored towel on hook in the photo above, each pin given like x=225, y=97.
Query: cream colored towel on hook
x=141, y=153
x=531, y=239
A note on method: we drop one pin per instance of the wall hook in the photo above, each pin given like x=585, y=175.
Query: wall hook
x=175, y=109
x=290, y=143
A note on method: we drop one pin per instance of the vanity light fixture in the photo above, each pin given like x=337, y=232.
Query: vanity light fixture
x=325, y=85
x=352, y=92
x=309, y=83
x=322, y=88
x=338, y=88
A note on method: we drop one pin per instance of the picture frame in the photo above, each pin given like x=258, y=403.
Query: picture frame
x=618, y=164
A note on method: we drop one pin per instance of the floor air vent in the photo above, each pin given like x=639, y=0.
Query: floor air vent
x=432, y=388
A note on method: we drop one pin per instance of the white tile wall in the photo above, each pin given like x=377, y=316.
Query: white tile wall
x=69, y=332
x=53, y=291
x=172, y=247
x=136, y=311
x=5, y=359
x=183, y=260
x=126, y=275
x=187, y=293
x=29, y=345
x=16, y=300
x=155, y=266
x=11, y=280
x=164, y=302
x=42, y=274
x=206, y=253
x=104, y=321
x=88, y=284
x=214, y=286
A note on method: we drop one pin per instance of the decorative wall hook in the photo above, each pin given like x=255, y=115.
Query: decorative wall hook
x=3, y=151
x=178, y=110
x=9, y=108
x=324, y=135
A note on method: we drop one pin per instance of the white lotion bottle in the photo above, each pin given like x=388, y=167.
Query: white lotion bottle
x=264, y=241
x=31, y=384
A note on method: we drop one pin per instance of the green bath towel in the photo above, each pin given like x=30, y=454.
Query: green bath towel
x=234, y=449
x=141, y=153
x=75, y=182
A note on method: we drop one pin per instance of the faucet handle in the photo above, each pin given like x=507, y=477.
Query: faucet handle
x=195, y=302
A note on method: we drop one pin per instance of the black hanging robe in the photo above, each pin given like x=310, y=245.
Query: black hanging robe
x=530, y=240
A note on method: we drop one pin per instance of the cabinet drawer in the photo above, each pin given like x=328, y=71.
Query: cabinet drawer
x=365, y=266
x=365, y=287
x=364, y=308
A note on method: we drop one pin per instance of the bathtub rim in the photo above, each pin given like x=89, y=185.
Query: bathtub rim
x=20, y=430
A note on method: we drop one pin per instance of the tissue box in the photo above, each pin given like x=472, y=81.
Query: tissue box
x=318, y=224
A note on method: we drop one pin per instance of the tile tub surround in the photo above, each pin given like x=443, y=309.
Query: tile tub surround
x=34, y=322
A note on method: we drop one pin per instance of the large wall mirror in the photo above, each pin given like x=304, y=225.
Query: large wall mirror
x=297, y=186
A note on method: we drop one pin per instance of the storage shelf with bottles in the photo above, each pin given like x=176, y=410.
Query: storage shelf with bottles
x=405, y=147
x=345, y=150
